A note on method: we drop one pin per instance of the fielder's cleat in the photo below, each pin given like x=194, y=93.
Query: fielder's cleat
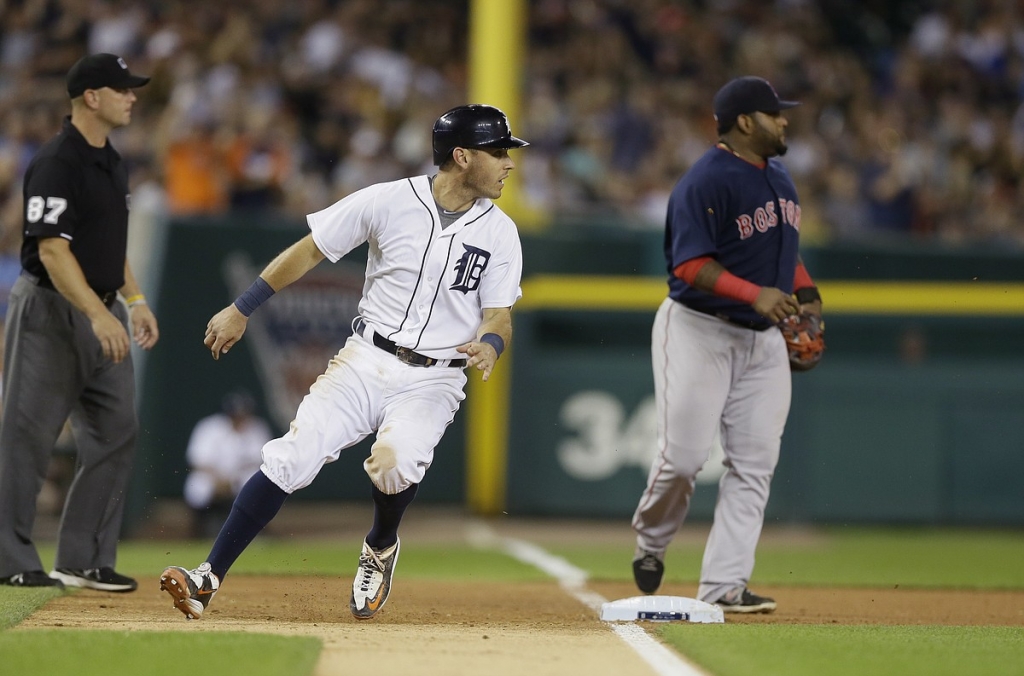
x=372, y=585
x=192, y=590
x=745, y=602
x=31, y=578
x=648, y=569
x=102, y=579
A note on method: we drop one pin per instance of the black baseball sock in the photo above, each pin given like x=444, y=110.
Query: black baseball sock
x=256, y=505
x=387, y=514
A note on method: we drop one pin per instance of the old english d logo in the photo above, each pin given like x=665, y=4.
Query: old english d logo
x=469, y=269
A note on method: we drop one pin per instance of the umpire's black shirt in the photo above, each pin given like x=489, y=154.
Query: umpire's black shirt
x=80, y=193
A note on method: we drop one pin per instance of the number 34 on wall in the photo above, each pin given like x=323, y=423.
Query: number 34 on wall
x=606, y=441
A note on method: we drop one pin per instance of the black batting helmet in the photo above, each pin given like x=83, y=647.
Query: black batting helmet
x=472, y=126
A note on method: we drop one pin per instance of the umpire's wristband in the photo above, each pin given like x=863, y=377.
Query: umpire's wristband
x=808, y=294
x=253, y=297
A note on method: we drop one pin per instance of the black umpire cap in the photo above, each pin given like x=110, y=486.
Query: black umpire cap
x=101, y=70
x=745, y=95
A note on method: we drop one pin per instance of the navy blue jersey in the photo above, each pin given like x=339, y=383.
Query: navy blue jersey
x=745, y=217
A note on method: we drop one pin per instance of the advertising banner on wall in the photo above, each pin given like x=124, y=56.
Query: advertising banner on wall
x=293, y=338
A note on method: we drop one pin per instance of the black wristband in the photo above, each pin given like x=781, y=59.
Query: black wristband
x=808, y=294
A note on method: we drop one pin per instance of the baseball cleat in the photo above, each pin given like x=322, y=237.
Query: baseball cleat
x=745, y=602
x=372, y=584
x=648, y=569
x=102, y=579
x=192, y=590
x=31, y=578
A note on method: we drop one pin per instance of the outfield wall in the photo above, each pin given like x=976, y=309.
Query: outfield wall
x=912, y=417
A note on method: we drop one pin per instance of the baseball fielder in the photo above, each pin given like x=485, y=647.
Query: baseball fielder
x=720, y=363
x=442, y=274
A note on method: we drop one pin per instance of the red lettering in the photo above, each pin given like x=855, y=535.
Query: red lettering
x=761, y=220
x=745, y=225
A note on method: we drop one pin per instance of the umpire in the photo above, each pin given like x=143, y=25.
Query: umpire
x=67, y=352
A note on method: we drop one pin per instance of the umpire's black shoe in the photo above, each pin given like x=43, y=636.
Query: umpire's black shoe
x=102, y=579
x=31, y=578
x=745, y=602
x=647, y=571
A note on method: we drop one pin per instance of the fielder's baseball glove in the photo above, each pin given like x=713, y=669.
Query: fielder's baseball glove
x=805, y=340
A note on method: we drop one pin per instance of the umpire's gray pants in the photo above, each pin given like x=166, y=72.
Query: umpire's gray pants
x=54, y=369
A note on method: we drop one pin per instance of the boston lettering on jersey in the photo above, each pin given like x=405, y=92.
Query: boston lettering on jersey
x=764, y=217
x=730, y=209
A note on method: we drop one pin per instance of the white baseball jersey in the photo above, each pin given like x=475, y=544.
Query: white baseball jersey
x=425, y=290
x=217, y=452
x=425, y=287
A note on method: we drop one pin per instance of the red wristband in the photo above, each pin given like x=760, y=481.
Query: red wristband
x=729, y=285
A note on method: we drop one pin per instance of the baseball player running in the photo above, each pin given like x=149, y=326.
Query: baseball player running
x=442, y=275
x=720, y=364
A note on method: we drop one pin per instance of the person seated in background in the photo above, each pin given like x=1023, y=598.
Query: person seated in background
x=224, y=450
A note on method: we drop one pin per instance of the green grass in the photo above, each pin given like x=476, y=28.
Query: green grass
x=905, y=557
x=94, y=653
x=17, y=604
x=319, y=557
x=813, y=650
x=854, y=557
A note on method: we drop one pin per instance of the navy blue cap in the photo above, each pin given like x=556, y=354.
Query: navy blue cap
x=97, y=71
x=745, y=95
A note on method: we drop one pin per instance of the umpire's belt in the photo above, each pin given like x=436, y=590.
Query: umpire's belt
x=404, y=354
x=108, y=297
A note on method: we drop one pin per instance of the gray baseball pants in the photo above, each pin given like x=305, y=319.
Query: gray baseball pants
x=54, y=369
x=713, y=378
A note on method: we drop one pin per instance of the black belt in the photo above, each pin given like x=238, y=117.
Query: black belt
x=108, y=297
x=404, y=354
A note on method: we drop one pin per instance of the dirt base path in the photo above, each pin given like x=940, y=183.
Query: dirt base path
x=426, y=628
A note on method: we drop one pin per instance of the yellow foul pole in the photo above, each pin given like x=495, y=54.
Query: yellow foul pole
x=497, y=45
x=497, y=39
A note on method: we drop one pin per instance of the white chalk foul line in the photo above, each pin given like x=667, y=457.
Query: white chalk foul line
x=574, y=581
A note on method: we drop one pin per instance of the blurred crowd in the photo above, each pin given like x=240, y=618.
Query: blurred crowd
x=911, y=124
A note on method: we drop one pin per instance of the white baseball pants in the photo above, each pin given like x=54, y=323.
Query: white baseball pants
x=367, y=390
